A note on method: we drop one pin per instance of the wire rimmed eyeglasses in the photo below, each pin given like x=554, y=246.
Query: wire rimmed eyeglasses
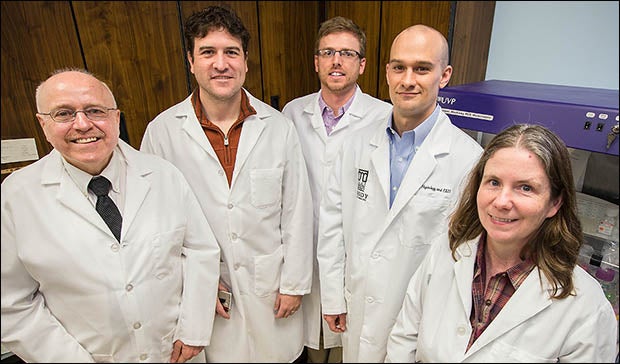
x=344, y=53
x=68, y=115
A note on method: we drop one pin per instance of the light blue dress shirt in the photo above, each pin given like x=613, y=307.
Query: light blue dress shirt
x=403, y=149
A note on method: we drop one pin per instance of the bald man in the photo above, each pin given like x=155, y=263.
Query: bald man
x=79, y=288
x=388, y=195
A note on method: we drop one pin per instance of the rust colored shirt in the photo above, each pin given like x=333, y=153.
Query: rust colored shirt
x=225, y=146
x=486, y=304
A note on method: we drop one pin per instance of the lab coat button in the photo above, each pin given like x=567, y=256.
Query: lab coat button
x=230, y=206
x=220, y=172
x=237, y=266
x=137, y=325
x=143, y=356
x=115, y=247
x=375, y=255
x=369, y=299
x=128, y=287
x=234, y=236
x=461, y=331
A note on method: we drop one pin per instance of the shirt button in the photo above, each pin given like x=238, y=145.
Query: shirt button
x=400, y=159
x=137, y=325
x=461, y=331
x=115, y=247
x=230, y=206
x=487, y=302
x=128, y=287
x=143, y=356
x=394, y=188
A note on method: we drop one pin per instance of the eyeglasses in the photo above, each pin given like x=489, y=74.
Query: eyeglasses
x=344, y=53
x=68, y=115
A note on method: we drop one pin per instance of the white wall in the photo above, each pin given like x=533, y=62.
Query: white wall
x=572, y=43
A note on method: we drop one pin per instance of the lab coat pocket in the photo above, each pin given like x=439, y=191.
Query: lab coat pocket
x=167, y=248
x=266, y=187
x=422, y=220
x=267, y=269
x=513, y=354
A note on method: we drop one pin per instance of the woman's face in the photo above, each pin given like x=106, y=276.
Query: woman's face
x=514, y=197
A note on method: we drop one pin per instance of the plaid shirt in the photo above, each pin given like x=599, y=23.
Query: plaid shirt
x=488, y=303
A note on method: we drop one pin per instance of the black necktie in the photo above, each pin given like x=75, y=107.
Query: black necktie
x=105, y=206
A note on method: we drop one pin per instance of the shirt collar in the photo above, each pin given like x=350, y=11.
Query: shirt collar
x=420, y=132
x=111, y=172
x=323, y=105
x=246, y=109
x=516, y=274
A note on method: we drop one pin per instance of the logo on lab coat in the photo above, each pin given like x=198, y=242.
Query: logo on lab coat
x=362, y=177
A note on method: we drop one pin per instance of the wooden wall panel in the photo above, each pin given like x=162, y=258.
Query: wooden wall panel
x=367, y=15
x=248, y=12
x=37, y=37
x=136, y=47
x=398, y=15
x=287, y=32
x=471, y=41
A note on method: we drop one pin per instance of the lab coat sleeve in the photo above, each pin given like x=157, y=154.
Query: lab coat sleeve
x=28, y=328
x=403, y=339
x=296, y=221
x=596, y=339
x=148, y=144
x=201, y=270
x=331, y=253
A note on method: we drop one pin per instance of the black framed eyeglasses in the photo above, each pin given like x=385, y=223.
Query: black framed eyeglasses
x=344, y=53
x=95, y=113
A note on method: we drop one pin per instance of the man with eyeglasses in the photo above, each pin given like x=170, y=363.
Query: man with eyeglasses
x=390, y=192
x=244, y=161
x=106, y=254
x=323, y=120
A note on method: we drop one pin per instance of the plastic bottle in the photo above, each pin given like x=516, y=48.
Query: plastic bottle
x=607, y=224
x=607, y=274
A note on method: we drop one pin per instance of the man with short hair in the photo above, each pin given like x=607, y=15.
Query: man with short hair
x=106, y=253
x=323, y=121
x=389, y=194
x=245, y=164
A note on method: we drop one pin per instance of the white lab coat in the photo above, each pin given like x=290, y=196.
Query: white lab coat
x=262, y=223
x=72, y=293
x=433, y=325
x=367, y=252
x=320, y=150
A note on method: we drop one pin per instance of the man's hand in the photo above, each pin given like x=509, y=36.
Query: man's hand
x=337, y=323
x=219, y=308
x=182, y=353
x=286, y=305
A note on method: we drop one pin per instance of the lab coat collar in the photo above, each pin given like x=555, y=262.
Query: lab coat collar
x=137, y=187
x=535, y=291
x=436, y=143
x=355, y=112
x=252, y=129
